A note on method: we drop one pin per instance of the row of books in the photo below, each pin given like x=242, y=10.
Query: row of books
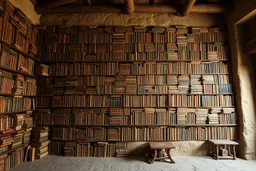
x=16, y=29
x=11, y=123
x=17, y=84
x=135, y=51
x=120, y=80
x=78, y=56
x=11, y=141
x=13, y=60
x=9, y=161
x=16, y=103
x=137, y=68
x=100, y=149
x=134, y=89
x=92, y=134
x=109, y=34
x=200, y=100
x=129, y=117
x=174, y=100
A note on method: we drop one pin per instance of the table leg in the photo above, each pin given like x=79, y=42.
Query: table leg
x=154, y=158
x=212, y=152
x=234, y=152
x=217, y=152
x=169, y=155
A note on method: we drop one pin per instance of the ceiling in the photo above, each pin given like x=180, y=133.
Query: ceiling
x=179, y=7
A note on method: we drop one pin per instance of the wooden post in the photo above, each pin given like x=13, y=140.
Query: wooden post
x=129, y=6
x=187, y=7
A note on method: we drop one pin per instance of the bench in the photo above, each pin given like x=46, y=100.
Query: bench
x=223, y=146
x=159, y=149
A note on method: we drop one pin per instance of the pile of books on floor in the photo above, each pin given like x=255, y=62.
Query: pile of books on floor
x=39, y=142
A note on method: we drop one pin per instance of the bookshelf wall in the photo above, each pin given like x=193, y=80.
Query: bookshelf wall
x=18, y=89
x=107, y=86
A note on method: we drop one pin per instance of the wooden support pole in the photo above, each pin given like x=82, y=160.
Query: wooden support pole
x=56, y=3
x=129, y=6
x=202, y=8
x=187, y=7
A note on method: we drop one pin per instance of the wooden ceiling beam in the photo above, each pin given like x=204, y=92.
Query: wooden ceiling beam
x=88, y=2
x=154, y=1
x=129, y=6
x=186, y=8
x=33, y=2
x=197, y=8
x=56, y=3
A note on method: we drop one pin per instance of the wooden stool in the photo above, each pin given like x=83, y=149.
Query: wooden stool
x=159, y=146
x=226, y=151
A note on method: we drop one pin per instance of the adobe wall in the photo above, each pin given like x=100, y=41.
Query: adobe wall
x=244, y=75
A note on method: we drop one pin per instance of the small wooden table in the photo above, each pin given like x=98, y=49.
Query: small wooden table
x=226, y=144
x=158, y=146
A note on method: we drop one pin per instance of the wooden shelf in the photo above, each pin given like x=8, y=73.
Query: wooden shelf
x=136, y=94
x=7, y=113
x=12, y=95
x=13, y=132
x=123, y=141
x=18, y=50
x=170, y=125
x=133, y=61
x=146, y=107
x=17, y=72
x=132, y=75
x=15, y=148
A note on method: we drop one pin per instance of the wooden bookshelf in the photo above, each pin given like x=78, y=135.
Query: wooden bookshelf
x=24, y=111
x=17, y=72
x=14, y=132
x=18, y=50
x=18, y=88
x=16, y=148
x=107, y=81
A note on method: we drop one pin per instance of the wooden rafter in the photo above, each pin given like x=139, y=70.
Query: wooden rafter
x=88, y=2
x=33, y=2
x=56, y=3
x=197, y=8
x=129, y=6
x=188, y=5
x=154, y=1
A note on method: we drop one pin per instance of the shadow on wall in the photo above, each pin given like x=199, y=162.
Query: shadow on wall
x=247, y=74
x=182, y=148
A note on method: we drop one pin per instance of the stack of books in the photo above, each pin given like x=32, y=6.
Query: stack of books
x=40, y=140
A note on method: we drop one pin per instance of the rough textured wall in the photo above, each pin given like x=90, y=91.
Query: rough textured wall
x=206, y=20
x=28, y=8
x=243, y=74
x=134, y=19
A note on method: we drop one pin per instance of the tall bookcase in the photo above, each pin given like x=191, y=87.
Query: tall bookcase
x=18, y=88
x=111, y=85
